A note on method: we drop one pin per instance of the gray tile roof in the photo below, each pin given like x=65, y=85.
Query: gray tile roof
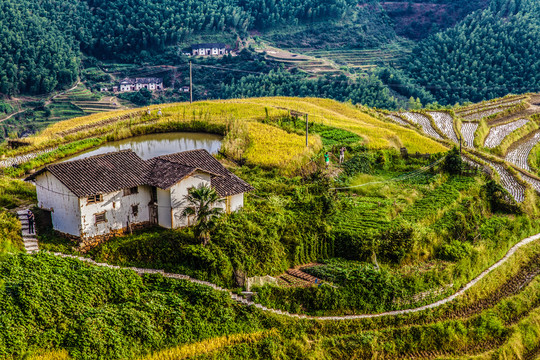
x=124, y=169
x=226, y=184
x=99, y=174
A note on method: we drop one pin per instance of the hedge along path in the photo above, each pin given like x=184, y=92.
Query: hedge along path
x=242, y=300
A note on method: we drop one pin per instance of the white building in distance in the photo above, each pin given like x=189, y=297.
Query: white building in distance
x=137, y=84
x=210, y=49
x=93, y=199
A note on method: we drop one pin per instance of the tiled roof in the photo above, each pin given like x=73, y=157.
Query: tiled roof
x=99, y=174
x=164, y=173
x=208, y=46
x=226, y=185
x=148, y=80
x=124, y=169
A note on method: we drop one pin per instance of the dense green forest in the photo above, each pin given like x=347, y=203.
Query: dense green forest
x=37, y=53
x=42, y=43
x=490, y=54
x=364, y=90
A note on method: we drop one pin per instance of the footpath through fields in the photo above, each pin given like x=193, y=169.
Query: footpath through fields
x=31, y=246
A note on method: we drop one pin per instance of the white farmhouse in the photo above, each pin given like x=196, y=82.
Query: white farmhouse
x=137, y=84
x=210, y=49
x=93, y=199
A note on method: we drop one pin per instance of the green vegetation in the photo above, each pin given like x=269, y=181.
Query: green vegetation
x=483, y=61
x=100, y=313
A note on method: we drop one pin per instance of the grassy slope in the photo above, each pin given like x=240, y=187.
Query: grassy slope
x=377, y=134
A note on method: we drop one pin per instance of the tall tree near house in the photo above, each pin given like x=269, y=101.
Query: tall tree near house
x=202, y=201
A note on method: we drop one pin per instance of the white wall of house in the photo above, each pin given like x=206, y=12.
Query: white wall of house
x=178, y=191
x=164, y=208
x=61, y=202
x=236, y=202
x=118, y=211
x=232, y=203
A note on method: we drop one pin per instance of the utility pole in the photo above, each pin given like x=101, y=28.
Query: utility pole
x=307, y=129
x=190, y=84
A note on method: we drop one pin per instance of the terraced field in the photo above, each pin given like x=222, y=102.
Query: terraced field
x=498, y=133
x=509, y=182
x=424, y=122
x=520, y=153
x=84, y=102
x=444, y=122
x=363, y=59
x=472, y=112
x=467, y=130
x=397, y=119
x=366, y=213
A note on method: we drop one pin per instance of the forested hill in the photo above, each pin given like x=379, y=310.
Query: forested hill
x=38, y=48
x=41, y=41
x=489, y=54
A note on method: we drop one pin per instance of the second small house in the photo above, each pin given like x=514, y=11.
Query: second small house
x=93, y=199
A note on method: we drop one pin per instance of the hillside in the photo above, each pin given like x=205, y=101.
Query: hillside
x=323, y=40
x=489, y=54
x=381, y=233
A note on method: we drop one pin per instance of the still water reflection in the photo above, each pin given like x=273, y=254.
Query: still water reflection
x=149, y=146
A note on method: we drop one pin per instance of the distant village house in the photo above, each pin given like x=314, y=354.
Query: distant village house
x=211, y=49
x=93, y=199
x=141, y=83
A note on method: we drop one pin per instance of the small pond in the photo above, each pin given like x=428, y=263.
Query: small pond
x=149, y=146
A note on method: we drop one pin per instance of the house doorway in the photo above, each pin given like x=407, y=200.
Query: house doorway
x=153, y=207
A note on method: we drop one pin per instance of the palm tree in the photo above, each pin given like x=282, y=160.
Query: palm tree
x=202, y=202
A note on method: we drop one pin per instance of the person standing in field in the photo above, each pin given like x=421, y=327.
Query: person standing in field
x=30, y=222
x=327, y=159
x=342, y=154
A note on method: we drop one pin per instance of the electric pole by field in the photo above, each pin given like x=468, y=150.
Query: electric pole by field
x=190, y=84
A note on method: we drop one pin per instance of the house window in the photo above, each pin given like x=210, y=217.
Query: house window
x=94, y=199
x=132, y=190
x=100, y=218
x=135, y=210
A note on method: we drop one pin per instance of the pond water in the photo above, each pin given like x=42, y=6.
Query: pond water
x=149, y=146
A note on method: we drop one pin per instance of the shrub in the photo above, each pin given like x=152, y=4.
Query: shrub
x=455, y=250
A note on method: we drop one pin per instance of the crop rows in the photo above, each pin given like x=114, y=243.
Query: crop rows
x=23, y=158
x=469, y=110
x=483, y=114
x=509, y=182
x=446, y=124
x=436, y=199
x=366, y=214
x=520, y=154
x=498, y=133
x=467, y=130
x=397, y=119
x=424, y=122
x=534, y=183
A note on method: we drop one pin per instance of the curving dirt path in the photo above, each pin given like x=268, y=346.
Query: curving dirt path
x=241, y=300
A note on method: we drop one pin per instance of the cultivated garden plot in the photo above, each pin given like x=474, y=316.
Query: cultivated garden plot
x=424, y=122
x=498, y=133
x=445, y=123
x=467, y=130
x=509, y=182
x=520, y=154
x=397, y=119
